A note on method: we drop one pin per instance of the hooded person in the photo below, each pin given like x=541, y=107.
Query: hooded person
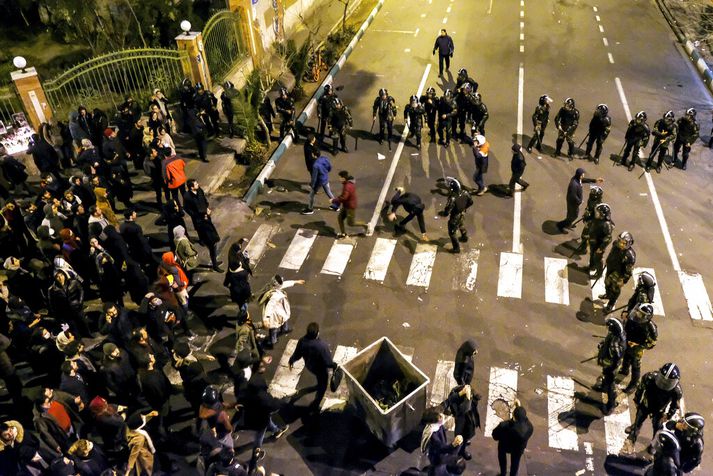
x=574, y=198
x=512, y=436
x=141, y=446
x=172, y=278
x=465, y=362
x=186, y=254
x=102, y=203
x=110, y=425
x=275, y=306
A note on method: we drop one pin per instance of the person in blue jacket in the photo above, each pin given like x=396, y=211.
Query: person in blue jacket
x=320, y=178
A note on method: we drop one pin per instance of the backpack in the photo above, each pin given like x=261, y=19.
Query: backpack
x=463, y=202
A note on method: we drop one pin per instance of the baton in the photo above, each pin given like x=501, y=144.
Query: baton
x=582, y=143
x=595, y=282
x=356, y=142
x=578, y=220
x=587, y=360
x=371, y=131
x=617, y=309
x=619, y=155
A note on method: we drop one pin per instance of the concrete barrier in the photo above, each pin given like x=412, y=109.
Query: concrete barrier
x=308, y=111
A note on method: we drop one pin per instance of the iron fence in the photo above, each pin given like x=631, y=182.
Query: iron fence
x=224, y=43
x=10, y=104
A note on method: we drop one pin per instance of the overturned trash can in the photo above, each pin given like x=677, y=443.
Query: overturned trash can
x=386, y=390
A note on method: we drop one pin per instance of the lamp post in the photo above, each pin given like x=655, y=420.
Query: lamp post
x=20, y=63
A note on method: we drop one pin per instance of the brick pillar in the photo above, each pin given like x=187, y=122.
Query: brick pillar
x=251, y=26
x=33, y=96
x=195, y=65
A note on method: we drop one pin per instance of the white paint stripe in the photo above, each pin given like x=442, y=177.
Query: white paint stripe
x=448, y=10
x=407, y=351
x=522, y=25
x=601, y=29
x=595, y=9
x=522, y=37
x=522, y=3
x=337, y=258
x=490, y=7
x=605, y=41
x=598, y=288
x=522, y=48
x=614, y=426
x=336, y=401
x=422, y=265
x=260, y=241
x=501, y=385
x=415, y=33
x=442, y=382
x=394, y=162
x=445, y=20
x=597, y=17
x=510, y=277
x=699, y=305
x=622, y=98
x=611, y=58
x=517, y=199
x=560, y=399
x=522, y=14
x=466, y=272
x=379, y=260
x=556, y=281
x=299, y=249
x=407, y=32
x=284, y=383
x=658, y=304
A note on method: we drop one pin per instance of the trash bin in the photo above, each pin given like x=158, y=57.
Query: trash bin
x=386, y=390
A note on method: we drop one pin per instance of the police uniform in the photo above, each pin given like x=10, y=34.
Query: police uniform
x=594, y=199
x=658, y=389
x=479, y=114
x=446, y=111
x=609, y=357
x=566, y=120
x=457, y=204
x=688, y=131
x=385, y=108
x=226, y=99
x=540, y=119
x=285, y=106
x=620, y=264
x=324, y=109
x=640, y=336
x=599, y=128
x=665, y=132
x=637, y=136
x=430, y=106
x=599, y=237
x=415, y=114
x=340, y=120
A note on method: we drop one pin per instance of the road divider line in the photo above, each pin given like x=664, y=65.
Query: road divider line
x=298, y=250
x=517, y=197
x=422, y=265
x=556, y=281
x=605, y=41
x=510, y=276
x=394, y=163
x=611, y=58
x=502, y=385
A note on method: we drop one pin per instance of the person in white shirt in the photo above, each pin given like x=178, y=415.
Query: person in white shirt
x=276, y=307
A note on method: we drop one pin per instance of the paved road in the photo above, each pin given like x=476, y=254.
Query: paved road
x=531, y=343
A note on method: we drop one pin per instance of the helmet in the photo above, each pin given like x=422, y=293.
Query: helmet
x=668, y=441
x=596, y=191
x=641, y=116
x=186, y=83
x=691, y=112
x=615, y=326
x=447, y=93
x=463, y=72
x=477, y=98
x=603, y=210
x=283, y=92
x=668, y=376
x=383, y=92
x=413, y=99
x=479, y=139
x=569, y=103
x=627, y=238
x=453, y=184
x=646, y=280
x=669, y=115
x=642, y=313
x=431, y=90
x=337, y=102
x=694, y=421
x=545, y=99
x=327, y=88
x=210, y=395
x=199, y=86
x=228, y=85
x=467, y=88
x=603, y=109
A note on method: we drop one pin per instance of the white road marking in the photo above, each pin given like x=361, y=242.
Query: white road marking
x=517, y=199
x=337, y=258
x=259, y=242
x=605, y=41
x=467, y=271
x=510, y=277
x=699, y=305
x=598, y=288
x=614, y=426
x=445, y=20
x=394, y=162
x=415, y=33
x=406, y=32
x=560, y=399
x=522, y=3
x=597, y=17
x=442, y=382
x=407, y=352
x=522, y=48
x=422, y=265
x=284, y=383
x=299, y=249
x=601, y=29
x=490, y=7
x=522, y=37
x=595, y=9
x=556, y=281
x=522, y=25
x=501, y=385
x=379, y=259
x=658, y=304
x=522, y=14
x=336, y=401
x=448, y=10
x=611, y=58
x=423, y=15
x=407, y=50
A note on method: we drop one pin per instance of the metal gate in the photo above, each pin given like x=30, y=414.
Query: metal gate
x=224, y=42
x=10, y=104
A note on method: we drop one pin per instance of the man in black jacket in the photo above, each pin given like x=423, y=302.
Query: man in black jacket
x=138, y=244
x=66, y=301
x=195, y=204
x=517, y=166
x=318, y=360
x=311, y=150
x=413, y=205
x=574, y=198
x=512, y=436
x=445, y=47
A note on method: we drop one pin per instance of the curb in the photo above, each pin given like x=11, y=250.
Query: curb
x=693, y=54
x=286, y=143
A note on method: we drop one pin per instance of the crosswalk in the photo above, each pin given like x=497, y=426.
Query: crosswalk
x=464, y=273
x=502, y=389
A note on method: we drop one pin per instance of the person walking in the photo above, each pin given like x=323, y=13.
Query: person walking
x=574, y=198
x=517, y=167
x=348, y=203
x=275, y=306
x=319, y=178
x=462, y=403
x=413, y=205
x=512, y=436
x=464, y=367
x=311, y=151
x=197, y=207
x=481, y=148
x=174, y=177
x=318, y=360
x=445, y=47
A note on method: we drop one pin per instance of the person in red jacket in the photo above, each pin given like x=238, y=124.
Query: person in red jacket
x=174, y=178
x=348, y=203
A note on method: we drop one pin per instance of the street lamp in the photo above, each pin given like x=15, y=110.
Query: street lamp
x=20, y=63
x=186, y=26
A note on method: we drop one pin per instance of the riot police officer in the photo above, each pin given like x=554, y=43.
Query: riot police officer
x=595, y=198
x=689, y=433
x=226, y=99
x=385, y=108
x=665, y=131
x=641, y=335
x=667, y=457
x=599, y=237
x=458, y=202
x=566, y=121
x=540, y=119
x=609, y=358
x=446, y=111
x=325, y=107
x=340, y=120
x=464, y=100
x=285, y=106
x=206, y=100
x=430, y=105
x=413, y=114
x=658, y=389
x=599, y=128
x=637, y=136
x=463, y=78
x=620, y=264
x=479, y=114
x=688, y=131
x=643, y=293
x=186, y=103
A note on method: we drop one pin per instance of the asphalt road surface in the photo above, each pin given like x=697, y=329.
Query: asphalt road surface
x=513, y=288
